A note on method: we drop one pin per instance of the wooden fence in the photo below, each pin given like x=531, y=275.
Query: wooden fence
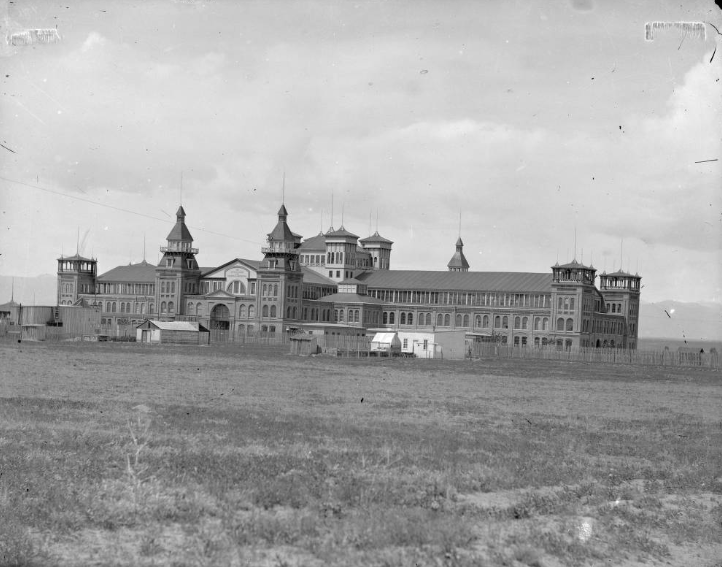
x=664, y=357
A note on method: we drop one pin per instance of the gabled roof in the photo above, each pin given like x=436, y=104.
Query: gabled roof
x=173, y=325
x=220, y=294
x=622, y=273
x=457, y=281
x=375, y=237
x=142, y=272
x=250, y=264
x=9, y=305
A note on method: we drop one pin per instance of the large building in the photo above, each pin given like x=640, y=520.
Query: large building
x=339, y=283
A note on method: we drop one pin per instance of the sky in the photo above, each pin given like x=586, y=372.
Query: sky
x=539, y=131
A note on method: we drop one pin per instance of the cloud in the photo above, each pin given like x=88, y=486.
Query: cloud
x=93, y=41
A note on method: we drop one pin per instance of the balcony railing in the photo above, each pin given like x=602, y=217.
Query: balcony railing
x=287, y=249
x=177, y=249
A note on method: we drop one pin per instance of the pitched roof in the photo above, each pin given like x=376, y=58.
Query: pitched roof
x=142, y=272
x=254, y=264
x=180, y=231
x=315, y=243
x=375, y=237
x=457, y=281
x=313, y=277
x=9, y=305
x=341, y=232
x=76, y=256
x=458, y=260
x=281, y=232
x=175, y=325
x=575, y=265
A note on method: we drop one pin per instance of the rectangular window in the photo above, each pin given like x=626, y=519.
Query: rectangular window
x=426, y=344
x=406, y=343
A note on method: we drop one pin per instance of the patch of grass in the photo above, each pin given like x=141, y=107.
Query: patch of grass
x=261, y=459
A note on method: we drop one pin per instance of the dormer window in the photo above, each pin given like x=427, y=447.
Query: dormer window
x=169, y=262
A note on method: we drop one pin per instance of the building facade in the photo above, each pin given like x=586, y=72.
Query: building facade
x=336, y=280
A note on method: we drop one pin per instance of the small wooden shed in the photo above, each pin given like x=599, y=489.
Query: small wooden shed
x=304, y=345
x=172, y=332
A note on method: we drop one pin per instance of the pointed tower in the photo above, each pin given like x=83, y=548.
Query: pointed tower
x=458, y=261
x=279, y=278
x=178, y=272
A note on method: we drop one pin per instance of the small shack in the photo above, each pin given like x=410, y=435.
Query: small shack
x=304, y=345
x=385, y=344
x=172, y=332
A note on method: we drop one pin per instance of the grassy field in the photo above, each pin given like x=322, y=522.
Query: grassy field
x=116, y=454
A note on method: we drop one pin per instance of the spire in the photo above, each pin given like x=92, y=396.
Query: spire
x=283, y=189
x=458, y=262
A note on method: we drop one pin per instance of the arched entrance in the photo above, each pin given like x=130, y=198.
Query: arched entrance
x=220, y=323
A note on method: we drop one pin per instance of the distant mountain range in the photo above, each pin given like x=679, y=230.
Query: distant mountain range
x=664, y=319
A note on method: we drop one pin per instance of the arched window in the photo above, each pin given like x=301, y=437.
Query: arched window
x=171, y=307
x=272, y=329
x=142, y=308
x=477, y=321
x=264, y=328
x=545, y=341
x=410, y=319
x=466, y=320
x=392, y=317
x=560, y=324
x=447, y=320
x=505, y=322
x=402, y=318
x=485, y=322
x=570, y=324
x=571, y=304
x=190, y=308
x=275, y=290
x=385, y=318
x=288, y=312
x=517, y=322
x=516, y=340
x=545, y=324
x=340, y=315
x=151, y=308
x=163, y=307
x=568, y=344
x=199, y=308
x=264, y=311
x=242, y=312
x=614, y=308
x=294, y=313
x=537, y=321
x=497, y=322
x=428, y=319
x=265, y=289
x=273, y=310
x=251, y=314
x=458, y=320
x=439, y=320
x=122, y=307
x=536, y=341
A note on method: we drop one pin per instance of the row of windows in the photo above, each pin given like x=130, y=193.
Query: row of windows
x=491, y=299
x=609, y=327
x=565, y=304
x=128, y=307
